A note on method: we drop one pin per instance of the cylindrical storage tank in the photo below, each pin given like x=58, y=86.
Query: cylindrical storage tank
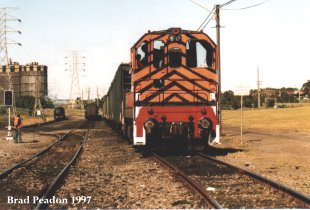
x=23, y=79
x=9, y=73
x=33, y=78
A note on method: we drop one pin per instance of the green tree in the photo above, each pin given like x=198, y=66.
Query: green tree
x=236, y=102
x=248, y=101
x=47, y=103
x=270, y=102
x=228, y=97
x=26, y=102
x=306, y=88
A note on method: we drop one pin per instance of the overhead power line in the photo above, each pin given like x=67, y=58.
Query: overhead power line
x=248, y=7
x=227, y=3
x=207, y=23
x=200, y=27
x=211, y=11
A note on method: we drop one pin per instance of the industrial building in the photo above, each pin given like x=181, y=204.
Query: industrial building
x=29, y=79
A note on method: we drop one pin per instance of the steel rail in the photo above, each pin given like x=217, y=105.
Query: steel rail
x=304, y=199
x=20, y=164
x=27, y=127
x=196, y=187
x=52, y=188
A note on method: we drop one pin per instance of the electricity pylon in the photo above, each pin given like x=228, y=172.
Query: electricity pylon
x=5, y=18
x=74, y=65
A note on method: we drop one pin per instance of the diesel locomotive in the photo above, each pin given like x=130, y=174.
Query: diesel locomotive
x=168, y=91
x=59, y=113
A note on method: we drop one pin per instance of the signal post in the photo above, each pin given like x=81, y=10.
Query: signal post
x=8, y=101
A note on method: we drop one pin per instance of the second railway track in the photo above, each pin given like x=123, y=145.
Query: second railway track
x=39, y=176
x=225, y=186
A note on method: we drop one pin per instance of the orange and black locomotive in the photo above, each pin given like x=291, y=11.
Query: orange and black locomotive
x=173, y=91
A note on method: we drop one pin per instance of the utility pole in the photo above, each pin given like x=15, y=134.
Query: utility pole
x=75, y=65
x=88, y=95
x=97, y=97
x=258, y=89
x=82, y=102
x=37, y=108
x=218, y=39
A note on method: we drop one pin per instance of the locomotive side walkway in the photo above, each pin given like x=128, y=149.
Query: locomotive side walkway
x=115, y=176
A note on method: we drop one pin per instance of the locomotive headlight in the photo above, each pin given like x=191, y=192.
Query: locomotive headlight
x=149, y=125
x=204, y=123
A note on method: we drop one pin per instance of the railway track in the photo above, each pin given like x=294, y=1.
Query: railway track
x=225, y=186
x=212, y=203
x=36, y=179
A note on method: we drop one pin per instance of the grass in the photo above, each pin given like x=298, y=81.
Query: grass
x=27, y=119
x=287, y=119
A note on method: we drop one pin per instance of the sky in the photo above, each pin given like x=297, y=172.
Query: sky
x=273, y=37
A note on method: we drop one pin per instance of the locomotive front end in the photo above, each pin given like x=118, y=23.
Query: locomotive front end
x=174, y=87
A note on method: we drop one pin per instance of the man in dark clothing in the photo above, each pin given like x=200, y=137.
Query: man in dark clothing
x=18, y=126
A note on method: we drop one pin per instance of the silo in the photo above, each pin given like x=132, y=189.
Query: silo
x=24, y=79
x=31, y=76
x=14, y=69
x=10, y=72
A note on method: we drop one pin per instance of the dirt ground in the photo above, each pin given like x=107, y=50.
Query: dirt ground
x=12, y=153
x=34, y=139
x=280, y=156
x=115, y=176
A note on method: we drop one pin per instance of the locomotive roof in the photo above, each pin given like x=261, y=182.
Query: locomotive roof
x=172, y=31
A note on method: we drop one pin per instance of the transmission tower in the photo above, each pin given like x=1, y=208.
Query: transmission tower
x=75, y=65
x=5, y=29
x=5, y=18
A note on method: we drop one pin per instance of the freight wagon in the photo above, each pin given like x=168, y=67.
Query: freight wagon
x=91, y=112
x=114, y=110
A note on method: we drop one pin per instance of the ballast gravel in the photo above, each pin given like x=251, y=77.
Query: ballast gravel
x=110, y=174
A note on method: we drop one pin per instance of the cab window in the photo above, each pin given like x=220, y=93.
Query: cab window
x=175, y=57
x=142, y=54
x=158, y=53
x=199, y=53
